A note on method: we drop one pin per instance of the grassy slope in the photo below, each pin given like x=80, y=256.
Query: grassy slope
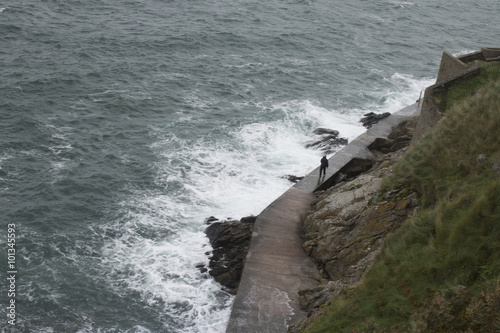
x=441, y=271
x=490, y=71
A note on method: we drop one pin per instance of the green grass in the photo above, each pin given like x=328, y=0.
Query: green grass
x=490, y=71
x=440, y=272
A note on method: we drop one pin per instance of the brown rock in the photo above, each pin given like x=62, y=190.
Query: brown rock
x=347, y=224
x=230, y=241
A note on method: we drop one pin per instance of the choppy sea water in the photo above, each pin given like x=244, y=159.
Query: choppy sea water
x=124, y=124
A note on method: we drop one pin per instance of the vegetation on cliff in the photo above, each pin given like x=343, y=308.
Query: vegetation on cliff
x=490, y=71
x=439, y=272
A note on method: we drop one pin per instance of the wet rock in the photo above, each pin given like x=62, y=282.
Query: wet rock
x=372, y=118
x=230, y=241
x=211, y=219
x=326, y=131
x=202, y=267
x=293, y=179
x=327, y=140
x=399, y=138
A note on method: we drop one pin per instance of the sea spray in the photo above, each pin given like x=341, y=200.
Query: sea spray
x=125, y=125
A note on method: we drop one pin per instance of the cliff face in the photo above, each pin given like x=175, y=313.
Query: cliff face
x=347, y=224
x=439, y=270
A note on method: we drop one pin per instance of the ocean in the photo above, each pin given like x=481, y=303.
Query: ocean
x=125, y=124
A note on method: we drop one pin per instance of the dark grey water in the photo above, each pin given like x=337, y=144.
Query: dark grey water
x=123, y=124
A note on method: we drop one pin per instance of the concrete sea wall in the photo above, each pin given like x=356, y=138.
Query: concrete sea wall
x=276, y=266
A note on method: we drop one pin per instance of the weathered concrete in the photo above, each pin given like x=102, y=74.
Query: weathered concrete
x=452, y=66
x=451, y=71
x=491, y=53
x=276, y=266
x=356, y=149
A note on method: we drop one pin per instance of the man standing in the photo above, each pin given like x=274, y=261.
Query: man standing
x=324, y=165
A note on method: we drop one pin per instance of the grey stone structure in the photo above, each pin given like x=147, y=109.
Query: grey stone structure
x=276, y=265
x=451, y=71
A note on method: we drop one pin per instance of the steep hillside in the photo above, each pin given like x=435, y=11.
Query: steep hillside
x=439, y=269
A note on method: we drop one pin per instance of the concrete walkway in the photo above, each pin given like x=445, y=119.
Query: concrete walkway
x=277, y=267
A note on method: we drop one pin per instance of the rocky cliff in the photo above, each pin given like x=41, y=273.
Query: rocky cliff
x=439, y=270
x=345, y=228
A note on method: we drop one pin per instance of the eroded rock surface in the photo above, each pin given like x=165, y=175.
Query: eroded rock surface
x=372, y=118
x=347, y=224
x=327, y=140
x=230, y=241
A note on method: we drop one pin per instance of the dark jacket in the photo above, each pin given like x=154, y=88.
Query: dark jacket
x=324, y=162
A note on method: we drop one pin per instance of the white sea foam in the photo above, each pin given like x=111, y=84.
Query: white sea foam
x=156, y=256
x=229, y=118
x=164, y=274
x=243, y=174
x=138, y=329
x=161, y=237
x=407, y=90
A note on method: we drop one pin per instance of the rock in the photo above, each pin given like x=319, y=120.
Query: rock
x=356, y=166
x=325, y=131
x=211, y=219
x=202, y=267
x=327, y=141
x=371, y=118
x=249, y=219
x=344, y=231
x=230, y=241
x=292, y=178
x=481, y=158
x=309, y=246
x=347, y=225
x=313, y=299
x=399, y=138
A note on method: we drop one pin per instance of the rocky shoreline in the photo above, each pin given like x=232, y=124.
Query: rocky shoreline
x=343, y=231
x=346, y=226
x=230, y=240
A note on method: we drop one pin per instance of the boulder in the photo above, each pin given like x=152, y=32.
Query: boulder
x=230, y=241
x=327, y=140
x=399, y=138
x=372, y=118
x=293, y=179
x=326, y=131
